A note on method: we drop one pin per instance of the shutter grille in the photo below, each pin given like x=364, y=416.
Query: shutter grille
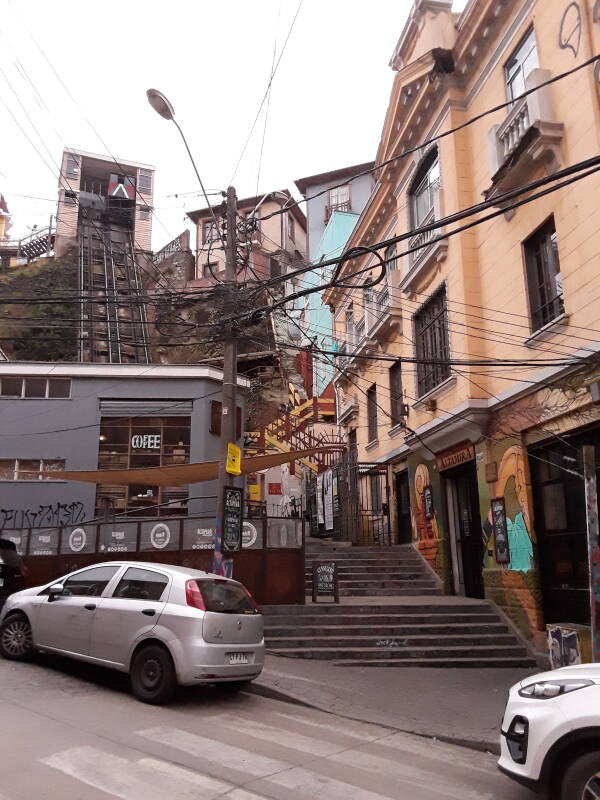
x=169, y=407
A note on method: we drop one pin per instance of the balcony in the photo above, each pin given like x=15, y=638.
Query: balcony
x=529, y=137
x=382, y=314
x=345, y=207
x=429, y=251
x=347, y=410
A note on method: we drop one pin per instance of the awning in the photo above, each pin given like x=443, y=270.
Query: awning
x=182, y=474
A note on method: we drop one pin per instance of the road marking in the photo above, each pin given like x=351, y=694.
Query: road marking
x=146, y=779
x=440, y=751
x=310, y=785
x=285, y=738
x=215, y=752
x=427, y=778
x=365, y=731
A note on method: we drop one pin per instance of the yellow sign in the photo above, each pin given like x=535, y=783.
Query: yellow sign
x=254, y=492
x=234, y=460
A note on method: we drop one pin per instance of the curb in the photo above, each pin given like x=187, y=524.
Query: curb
x=276, y=694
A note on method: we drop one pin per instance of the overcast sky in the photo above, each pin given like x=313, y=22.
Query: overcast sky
x=213, y=61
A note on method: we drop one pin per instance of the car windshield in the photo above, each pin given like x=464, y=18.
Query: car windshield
x=225, y=597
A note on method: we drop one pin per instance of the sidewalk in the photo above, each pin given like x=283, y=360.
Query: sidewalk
x=464, y=706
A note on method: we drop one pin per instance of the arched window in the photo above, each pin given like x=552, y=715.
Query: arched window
x=391, y=258
x=424, y=191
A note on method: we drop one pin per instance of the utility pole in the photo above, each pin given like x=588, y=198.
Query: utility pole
x=591, y=508
x=229, y=393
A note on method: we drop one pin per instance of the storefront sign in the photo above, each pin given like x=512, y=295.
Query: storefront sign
x=274, y=488
x=160, y=536
x=232, y=519
x=147, y=441
x=428, y=502
x=456, y=457
x=325, y=580
x=500, y=530
x=77, y=540
x=249, y=535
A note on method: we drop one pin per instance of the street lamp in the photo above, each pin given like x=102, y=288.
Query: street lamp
x=163, y=107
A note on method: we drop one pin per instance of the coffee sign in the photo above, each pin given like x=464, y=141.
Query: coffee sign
x=146, y=441
x=325, y=580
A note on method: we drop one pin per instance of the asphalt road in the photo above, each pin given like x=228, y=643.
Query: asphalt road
x=68, y=730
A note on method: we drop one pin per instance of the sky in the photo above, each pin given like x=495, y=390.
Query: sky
x=78, y=78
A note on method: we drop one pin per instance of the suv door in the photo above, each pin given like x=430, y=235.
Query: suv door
x=65, y=621
x=130, y=612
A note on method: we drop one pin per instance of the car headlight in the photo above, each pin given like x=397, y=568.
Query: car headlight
x=542, y=690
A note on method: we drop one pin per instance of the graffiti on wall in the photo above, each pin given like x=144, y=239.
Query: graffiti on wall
x=569, y=37
x=511, y=484
x=44, y=516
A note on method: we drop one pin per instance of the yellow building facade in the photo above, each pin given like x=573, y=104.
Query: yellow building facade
x=470, y=370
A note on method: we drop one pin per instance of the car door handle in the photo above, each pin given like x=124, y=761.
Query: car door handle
x=149, y=612
x=90, y=607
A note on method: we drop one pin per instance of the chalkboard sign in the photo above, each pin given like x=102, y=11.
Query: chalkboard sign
x=232, y=519
x=500, y=530
x=325, y=580
x=428, y=502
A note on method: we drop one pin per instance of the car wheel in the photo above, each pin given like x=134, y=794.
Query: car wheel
x=16, y=642
x=581, y=779
x=153, y=678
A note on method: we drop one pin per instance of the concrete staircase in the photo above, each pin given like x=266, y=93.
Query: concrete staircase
x=391, y=614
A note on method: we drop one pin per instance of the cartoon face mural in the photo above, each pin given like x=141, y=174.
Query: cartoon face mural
x=427, y=529
x=512, y=485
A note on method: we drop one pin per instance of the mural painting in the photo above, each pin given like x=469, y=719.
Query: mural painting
x=427, y=521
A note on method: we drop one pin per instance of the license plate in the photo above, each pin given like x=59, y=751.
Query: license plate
x=238, y=658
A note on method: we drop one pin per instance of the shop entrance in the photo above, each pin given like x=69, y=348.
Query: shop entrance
x=466, y=533
x=403, y=508
x=560, y=524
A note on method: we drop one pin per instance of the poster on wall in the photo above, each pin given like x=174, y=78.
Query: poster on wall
x=428, y=502
x=320, y=508
x=328, y=499
x=500, y=529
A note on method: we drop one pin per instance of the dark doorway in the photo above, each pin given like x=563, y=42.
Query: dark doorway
x=560, y=524
x=465, y=524
x=403, y=508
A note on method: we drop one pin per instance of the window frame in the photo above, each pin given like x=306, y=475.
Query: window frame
x=145, y=173
x=422, y=184
x=206, y=273
x=396, y=400
x=144, y=213
x=72, y=167
x=117, y=569
x=372, y=422
x=520, y=60
x=42, y=462
x=123, y=577
x=427, y=335
x=291, y=227
x=209, y=226
x=24, y=379
x=539, y=245
x=333, y=197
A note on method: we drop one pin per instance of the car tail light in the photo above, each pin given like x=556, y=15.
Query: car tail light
x=252, y=600
x=193, y=595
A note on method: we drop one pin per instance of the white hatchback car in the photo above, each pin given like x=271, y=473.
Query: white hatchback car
x=551, y=733
x=165, y=625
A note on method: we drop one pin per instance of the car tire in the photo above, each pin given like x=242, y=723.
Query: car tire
x=578, y=777
x=16, y=642
x=152, y=675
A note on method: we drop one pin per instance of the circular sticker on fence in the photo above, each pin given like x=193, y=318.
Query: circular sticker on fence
x=77, y=540
x=160, y=536
x=249, y=534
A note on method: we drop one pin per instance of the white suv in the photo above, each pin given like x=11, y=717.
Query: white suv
x=161, y=623
x=551, y=732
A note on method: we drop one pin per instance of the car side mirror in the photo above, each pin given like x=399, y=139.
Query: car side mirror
x=54, y=591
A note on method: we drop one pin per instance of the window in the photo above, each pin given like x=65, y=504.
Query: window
x=391, y=258
x=144, y=212
x=520, y=64
x=275, y=267
x=350, y=327
x=225, y=597
x=431, y=335
x=72, y=167
x=145, y=181
x=141, y=584
x=20, y=469
x=372, y=412
x=339, y=198
x=209, y=269
x=209, y=232
x=291, y=227
x=353, y=446
x=70, y=198
x=89, y=582
x=396, y=404
x=544, y=280
x=424, y=194
x=36, y=388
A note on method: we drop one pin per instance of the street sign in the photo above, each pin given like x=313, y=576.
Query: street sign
x=234, y=460
x=325, y=581
x=232, y=519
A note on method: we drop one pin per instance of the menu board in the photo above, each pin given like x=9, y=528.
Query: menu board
x=232, y=519
x=500, y=530
x=428, y=502
x=325, y=580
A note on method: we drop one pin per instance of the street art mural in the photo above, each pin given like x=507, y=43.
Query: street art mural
x=427, y=519
x=512, y=486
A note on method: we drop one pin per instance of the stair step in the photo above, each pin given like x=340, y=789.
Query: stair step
x=387, y=644
x=358, y=611
x=437, y=663
x=399, y=591
x=385, y=583
x=379, y=631
x=379, y=653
